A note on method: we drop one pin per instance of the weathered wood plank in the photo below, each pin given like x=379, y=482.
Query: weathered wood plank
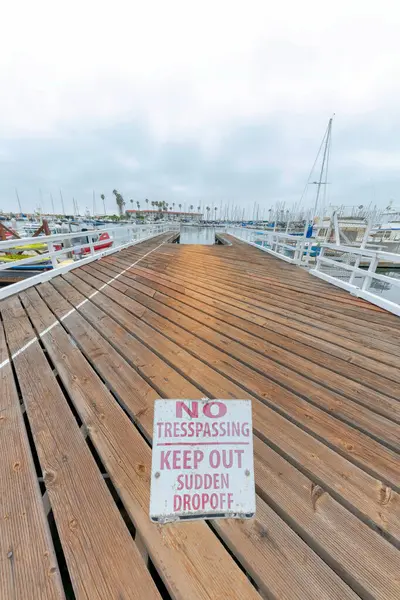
x=278, y=347
x=373, y=346
x=361, y=491
x=367, y=562
x=28, y=566
x=101, y=555
x=230, y=283
x=341, y=361
x=262, y=555
x=282, y=484
x=264, y=317
x=353, y=413
x=355, y=445
x=184, y=553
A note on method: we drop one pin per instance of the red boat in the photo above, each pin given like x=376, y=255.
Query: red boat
x=102, y=241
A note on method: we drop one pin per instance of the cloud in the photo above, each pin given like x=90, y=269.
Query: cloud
x=197, y=102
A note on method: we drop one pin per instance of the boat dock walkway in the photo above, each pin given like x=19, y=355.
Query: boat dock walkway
x=84, y=356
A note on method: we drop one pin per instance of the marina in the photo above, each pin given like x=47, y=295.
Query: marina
x=84, y=355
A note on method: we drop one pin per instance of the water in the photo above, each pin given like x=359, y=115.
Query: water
x=381, y=288
x=197, y=235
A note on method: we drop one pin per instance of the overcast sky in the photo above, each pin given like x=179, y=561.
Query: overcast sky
x=197, y=102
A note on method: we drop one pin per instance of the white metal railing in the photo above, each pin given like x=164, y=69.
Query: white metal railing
x=336, y=267
x=62, y=245
x=291, y=248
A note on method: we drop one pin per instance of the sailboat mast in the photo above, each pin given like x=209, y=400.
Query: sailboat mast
x=19, y=202
x=324, y=159
x=62, y=203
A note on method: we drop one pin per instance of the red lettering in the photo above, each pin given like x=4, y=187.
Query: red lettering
x=180, y=485
x=191, y=429
x=245, y=429
x=176, y=429
x=186, y=459
x=205, y=502
x=176, y=459
x=227, y=463
x=159, y=427
x=206, y=432
x=199, y=428
x=168, y=429
x=214, y=427
x=215, y=459
x=164, y=459
x=239, y=457
x=192, y=411
x=198, y=456
x=235, y=428
x=221, y=410
x=207, y=481
x=214, y=501
x=224, y=480
x=196, y=501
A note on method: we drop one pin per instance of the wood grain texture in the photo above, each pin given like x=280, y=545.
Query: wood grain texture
x=210, y=368
x=102, y=558
x=333, y=402
x=334, y=345
x=190, y=559
x=28, y=567
x=326, y=524
x=261, y=554
x=337, y=374
x=321, y=369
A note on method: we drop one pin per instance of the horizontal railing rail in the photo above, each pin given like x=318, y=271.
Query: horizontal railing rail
x=360, y=280
x=81, y=253
x=288, y=247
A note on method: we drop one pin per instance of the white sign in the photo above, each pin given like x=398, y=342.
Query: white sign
x=202, y=465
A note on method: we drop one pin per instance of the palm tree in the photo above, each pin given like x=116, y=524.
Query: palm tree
x=102, y=196
x=180, y=206
x=138, y=204
x=120, y=201
x=191, y=207
x=215, y=211
x=147, y=203
x=208, y=212
x=173, y=205
x=198, y=208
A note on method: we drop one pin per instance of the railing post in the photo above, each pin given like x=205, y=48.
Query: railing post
x=353, y=274
x=91, y=243
x=321, y=255
x=297, y=251
x=371, y=270
x=50, y=247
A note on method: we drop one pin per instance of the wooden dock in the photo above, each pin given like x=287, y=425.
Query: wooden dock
x=84, y=356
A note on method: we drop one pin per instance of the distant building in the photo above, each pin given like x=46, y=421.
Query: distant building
x=169, y=215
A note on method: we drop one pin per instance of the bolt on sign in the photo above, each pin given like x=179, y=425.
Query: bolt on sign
x=202, y=460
